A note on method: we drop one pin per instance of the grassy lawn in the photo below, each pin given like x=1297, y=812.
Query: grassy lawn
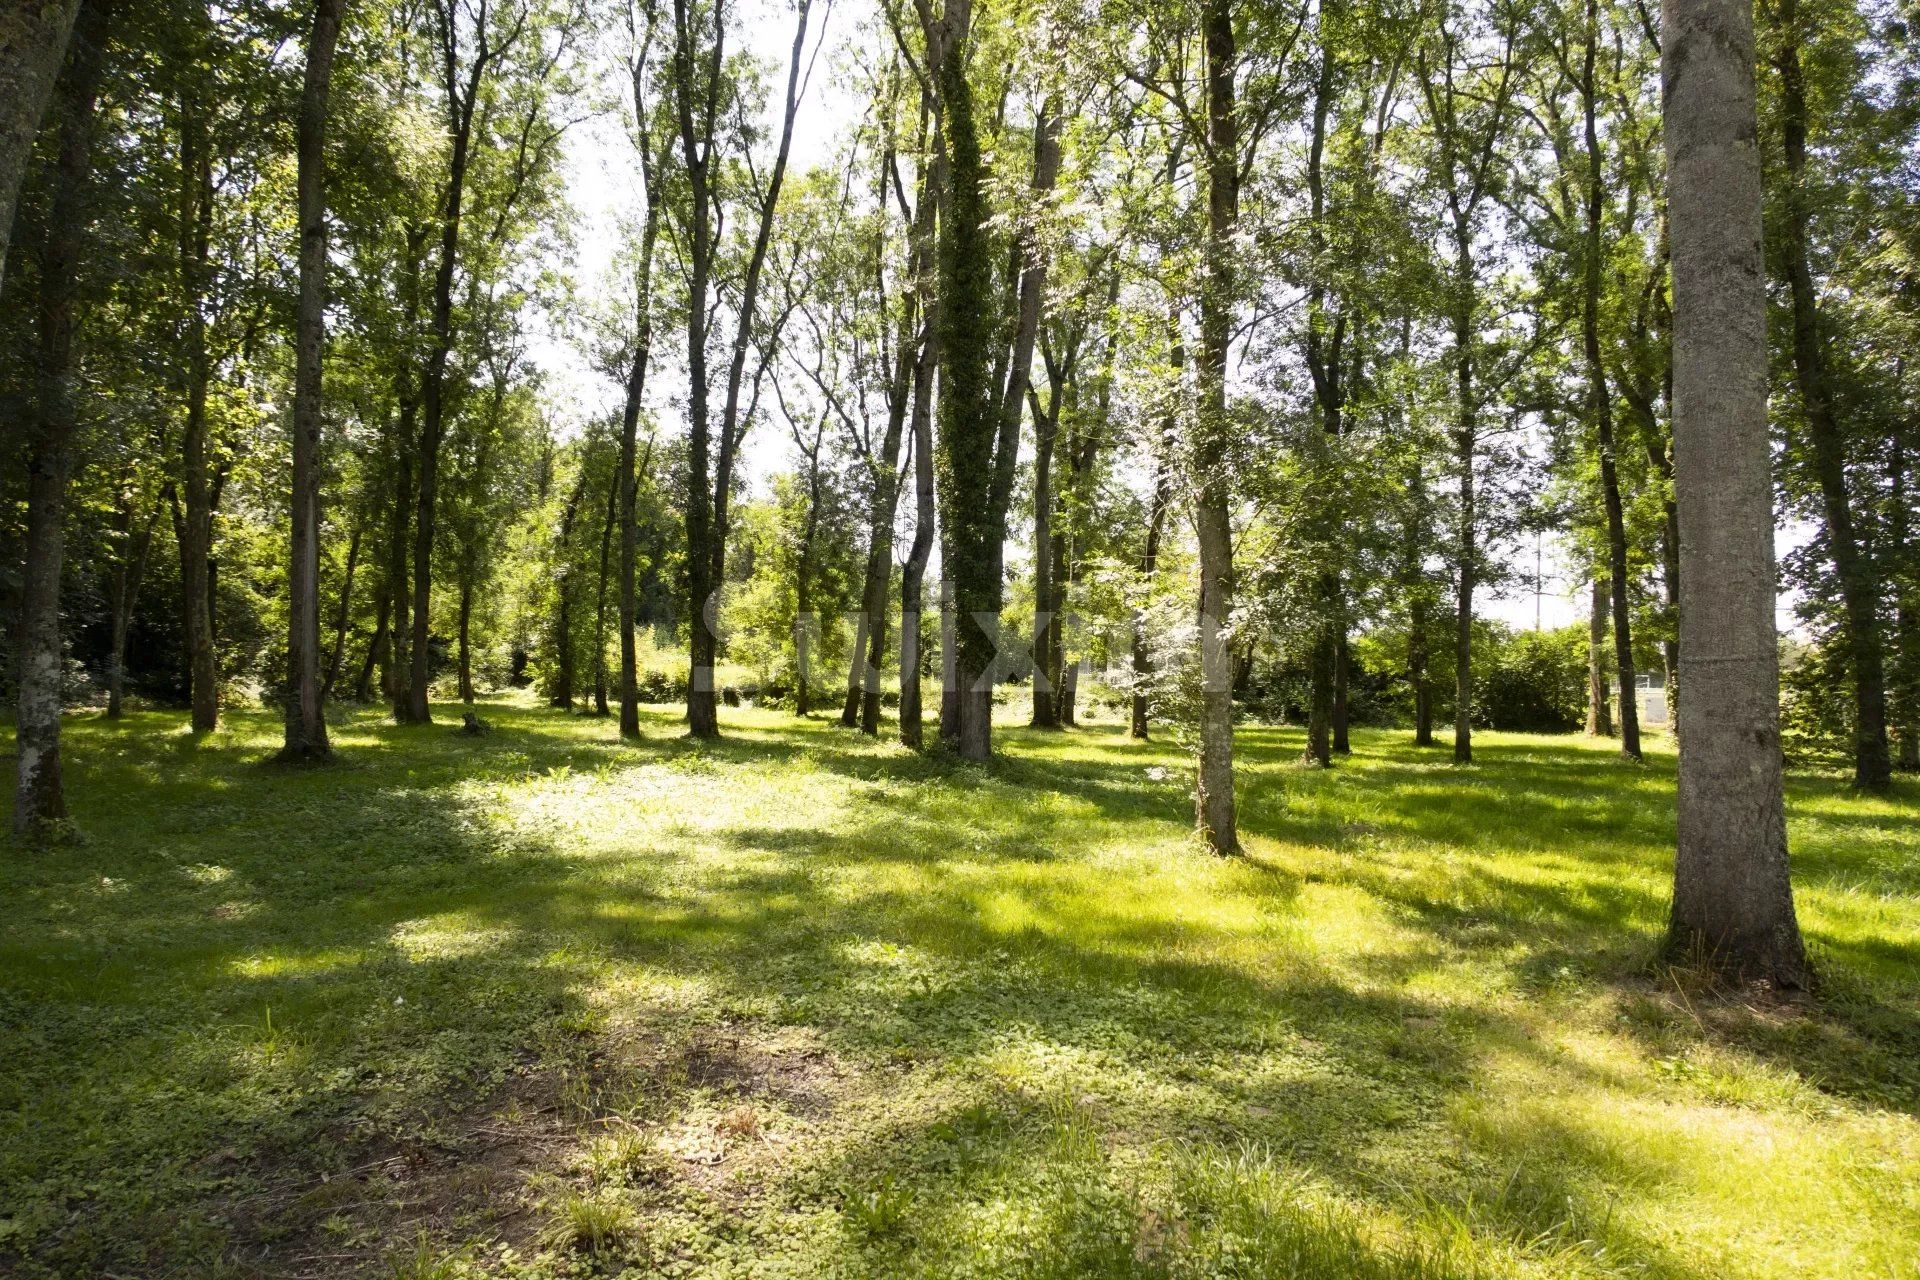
x=539, y=1004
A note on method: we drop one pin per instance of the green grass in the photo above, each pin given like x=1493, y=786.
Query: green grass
x=540, y=1004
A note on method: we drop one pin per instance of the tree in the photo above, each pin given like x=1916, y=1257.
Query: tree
x=1852, y=564
x=1600, y=397
x=1468, y=102
x=33, y=40
x=39, y=797
x=1732, y=895
x=628, y=479
x=306, y=736
x=474, y=43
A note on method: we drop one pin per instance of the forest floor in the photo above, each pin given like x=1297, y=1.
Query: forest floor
x=798, y=1003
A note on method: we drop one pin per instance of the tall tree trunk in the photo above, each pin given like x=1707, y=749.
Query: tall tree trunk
x=195, y=234
x=1149, y=563
x=1319, y=750
x=978, y=542
x=33, y=44
x=968, y=421
x=600, y=705
x=306, y=728
x=377, y=650
x=880, y=536
x=628, y=476
x=344, y=614
x=1418, y=674
x=1732, y=895
x=1600, y=400
x=1465, y=444
x=913, y=574
x=464, y=661
x=399, y=658
x=1859, y=580
x=1046, y=705
x=1905, y=702
x=1325, y=719
x=40, y=806
x=563, y=604
x=710, y=491
x=1342, y=693
x=803, y=596
x=1599, y=697
x=703, y=716
x=1213, y=783
x=460, y=101
x=129, y=570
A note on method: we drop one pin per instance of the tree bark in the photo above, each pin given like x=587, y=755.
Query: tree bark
x=399, y=660
x=1732, y=895
x=1599, y=696
x=1905, y=701
x=1858, y=578
x=461, y=98
x=306, y=727
x=344, y=614
x=1046, y=705
x=600, y=705
x=968, y=423
x=33, y=44
x=40, y=807
x=1342, y=707
x=1213, y=802
x=913, y=573
x=1465, y=442
x=629, y=479
x=710, y=490
x=195, y=235
x=1600, y=400
x=563, y=604
x=377, y=650
x=1149, y=563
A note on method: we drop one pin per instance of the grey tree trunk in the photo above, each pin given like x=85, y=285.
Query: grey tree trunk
x=1732, y=894
x=306, y=729
x=1852, y=564
x=397, y=663
x=463, y=661
x=1342, y=704
x=40, y=807
x=33, y=43
x=913, y=575
x=1465, y=443
x=344, y=613
x=1046, y=605
x=196, y=550
x=1213, y=801
x=628, y=476
x=1600, y=398
x=1599, y=696
x=1150, y=556
x=1904, y=703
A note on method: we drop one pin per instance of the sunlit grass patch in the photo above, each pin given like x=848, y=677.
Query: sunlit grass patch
x=804, y=1000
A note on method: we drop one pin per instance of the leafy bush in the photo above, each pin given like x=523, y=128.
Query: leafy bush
x=1533, y=681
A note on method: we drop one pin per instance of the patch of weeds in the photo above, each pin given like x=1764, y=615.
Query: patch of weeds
x=881, y=1212
x=624, y=1156
x=594, y=1223
x=739, y=1122
x=425, y=1260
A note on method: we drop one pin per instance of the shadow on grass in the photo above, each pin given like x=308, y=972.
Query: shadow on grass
x=249, y=977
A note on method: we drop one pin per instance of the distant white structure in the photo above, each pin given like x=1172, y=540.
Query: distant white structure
x=1650, y=688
